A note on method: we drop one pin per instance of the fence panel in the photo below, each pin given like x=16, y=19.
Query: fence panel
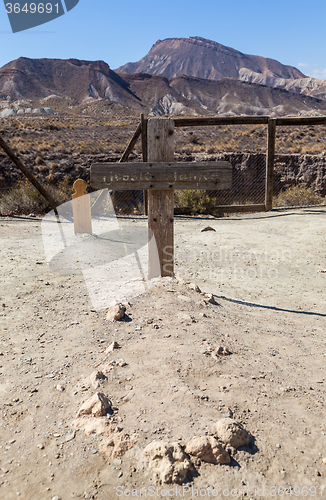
x=300, y=165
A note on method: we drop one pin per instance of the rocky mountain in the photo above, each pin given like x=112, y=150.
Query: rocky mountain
x=306, y=85
x=188, y=95
x=227, y=96
x=91, y=87
x=198, y=57
x=76, y=80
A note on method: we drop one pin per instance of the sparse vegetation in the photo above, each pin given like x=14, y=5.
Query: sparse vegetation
x=196, y=201
x=56, y=146
x=25, y=199
x=298, y=196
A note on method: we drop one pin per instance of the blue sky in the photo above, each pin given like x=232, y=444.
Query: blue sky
x=118, y=32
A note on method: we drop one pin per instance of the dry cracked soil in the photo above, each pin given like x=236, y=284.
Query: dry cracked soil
x=267, y=273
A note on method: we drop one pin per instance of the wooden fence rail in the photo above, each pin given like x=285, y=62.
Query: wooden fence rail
x=141, y=131
x=272, y=123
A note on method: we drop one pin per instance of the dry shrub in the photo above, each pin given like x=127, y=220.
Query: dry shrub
x=297, y=196
x=193, y=200
x=25, y=198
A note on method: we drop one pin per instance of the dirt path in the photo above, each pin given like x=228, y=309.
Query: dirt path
x=267, y=273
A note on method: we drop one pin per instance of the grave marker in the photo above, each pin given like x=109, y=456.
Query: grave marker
x=160, y=176
x=81, y=207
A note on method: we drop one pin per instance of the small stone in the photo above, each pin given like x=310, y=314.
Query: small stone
x=208, y=449
x=97, y=405
x=232, y=433
x=115, y=312
x=195, y=287
x=38, y=376
x=41, y=446
x=56, y=498
x=209, y=297
x=70, y=437
x=94, y=451
x=317, y=473
x=72, y=323
x=128, y=396
x=220, y=351
x=278, y=446
x=60, y=388
x=120, y=474
x=112, y=347
x=96, y=377
x=207, y=228
x=169, y=461
x=50, y=375
x=324, y=460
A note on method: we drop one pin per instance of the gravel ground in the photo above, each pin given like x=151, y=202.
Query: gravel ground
x=267, y=273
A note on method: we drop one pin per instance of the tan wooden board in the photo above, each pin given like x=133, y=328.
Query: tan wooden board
x=162, y=175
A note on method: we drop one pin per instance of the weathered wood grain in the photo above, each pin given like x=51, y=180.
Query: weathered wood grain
x=165, y=175
x=221, y=120
x=160, y=140
x=143, y=122
x=301, y=120
x=131, y=144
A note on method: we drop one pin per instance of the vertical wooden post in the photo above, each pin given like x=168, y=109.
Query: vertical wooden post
x=81, y=207
x=160, y=135
x=143, y=124
x=270, y=164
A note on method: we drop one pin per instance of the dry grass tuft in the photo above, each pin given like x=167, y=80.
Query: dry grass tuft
x=298, y=196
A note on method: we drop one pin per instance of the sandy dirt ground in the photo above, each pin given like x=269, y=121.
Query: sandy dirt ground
x=267, y=273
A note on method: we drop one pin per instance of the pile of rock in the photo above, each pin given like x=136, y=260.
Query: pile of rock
x=174, y=463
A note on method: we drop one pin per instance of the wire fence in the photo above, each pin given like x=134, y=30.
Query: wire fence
x=275, y=163
x=299, y=168
x=248, y=187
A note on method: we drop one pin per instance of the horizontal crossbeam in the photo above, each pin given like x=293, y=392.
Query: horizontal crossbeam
x=162, y=175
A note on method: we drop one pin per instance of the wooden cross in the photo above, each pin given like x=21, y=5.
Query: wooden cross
x=160, y=176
